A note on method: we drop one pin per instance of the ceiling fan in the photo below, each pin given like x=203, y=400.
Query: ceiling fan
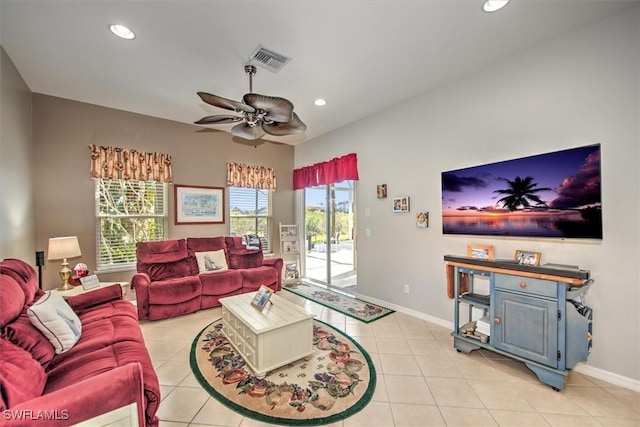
x=260, y=114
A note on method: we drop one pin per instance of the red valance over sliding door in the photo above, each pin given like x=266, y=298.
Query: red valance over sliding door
x=329, y=172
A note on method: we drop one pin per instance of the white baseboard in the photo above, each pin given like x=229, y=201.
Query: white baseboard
x=610, y=377
x=400, y=309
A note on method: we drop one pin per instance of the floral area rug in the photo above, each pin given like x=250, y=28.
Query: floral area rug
x=353, y=307
x=338, y=380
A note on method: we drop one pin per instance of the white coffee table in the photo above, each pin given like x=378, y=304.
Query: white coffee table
x=280, y=334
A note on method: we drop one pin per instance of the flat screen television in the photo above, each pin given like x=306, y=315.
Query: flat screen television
x=547, y=195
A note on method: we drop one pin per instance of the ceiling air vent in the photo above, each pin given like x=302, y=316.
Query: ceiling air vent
x=268, y=59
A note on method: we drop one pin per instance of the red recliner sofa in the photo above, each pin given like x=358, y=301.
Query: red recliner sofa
x=108, y=367
x=169, y=282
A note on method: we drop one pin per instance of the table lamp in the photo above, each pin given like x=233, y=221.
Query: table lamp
x=63, y=248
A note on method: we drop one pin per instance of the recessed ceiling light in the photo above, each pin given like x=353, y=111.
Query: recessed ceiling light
x=494, y=5
x=320, y=102
x=122, y=31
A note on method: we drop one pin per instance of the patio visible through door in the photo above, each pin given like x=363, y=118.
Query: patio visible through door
x=330, y=252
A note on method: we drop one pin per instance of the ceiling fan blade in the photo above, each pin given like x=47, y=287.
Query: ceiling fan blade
x=243, y=130
x=228, y=104
x=216, y=120
x=292, y=127
x=277, y=109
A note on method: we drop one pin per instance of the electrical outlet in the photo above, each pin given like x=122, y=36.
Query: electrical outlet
x=406, y=288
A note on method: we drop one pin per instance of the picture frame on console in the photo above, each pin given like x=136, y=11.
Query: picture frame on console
x=480, y=252
x=261, y=298
x=198, y=205
x=527, y=257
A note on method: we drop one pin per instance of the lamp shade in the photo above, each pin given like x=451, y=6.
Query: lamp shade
x=63, y=247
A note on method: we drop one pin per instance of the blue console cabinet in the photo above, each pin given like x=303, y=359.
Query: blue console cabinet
x=536, y=314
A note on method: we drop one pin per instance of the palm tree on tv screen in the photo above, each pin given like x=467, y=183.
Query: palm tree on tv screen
x=521, y=193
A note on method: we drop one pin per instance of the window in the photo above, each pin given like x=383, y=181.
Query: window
x=250, y=213
x=127, y=212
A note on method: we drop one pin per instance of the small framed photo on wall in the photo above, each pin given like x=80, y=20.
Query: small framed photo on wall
x=381, y=191
x=401, y=204
x=422, y=219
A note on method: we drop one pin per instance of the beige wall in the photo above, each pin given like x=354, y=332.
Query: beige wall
x=578, y=89
x=64, y=193
x=16, y=178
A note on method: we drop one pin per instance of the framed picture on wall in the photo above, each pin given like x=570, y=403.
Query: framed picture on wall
x=381, y=191
x=401, y=204
x=422, y=219
x=198, y=205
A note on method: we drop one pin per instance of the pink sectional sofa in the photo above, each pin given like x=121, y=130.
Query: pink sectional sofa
x=107, y=368
x=170, y=282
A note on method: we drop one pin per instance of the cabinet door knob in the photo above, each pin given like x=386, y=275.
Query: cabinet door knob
x=523, y=285
x=496, y=320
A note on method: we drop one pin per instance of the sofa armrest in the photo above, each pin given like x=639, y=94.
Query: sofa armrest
x=141, y=282
x=83, y=400
x=276, y=263
x=96, y=297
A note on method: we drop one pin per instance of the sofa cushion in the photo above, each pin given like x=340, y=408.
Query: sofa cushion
x=164, y=251
x=100, y=333
x=222, y=283
x=88, y=364
x=175, y=290
x=252, y=278
x=240, y=257
x=164, y=259
x=169, y=270
x=22, y=333
x=211, y=261
x=11, y=299
x=52, y=316
x=22, y=378
x=203, y=244
x=108, y=310
x=24, y=274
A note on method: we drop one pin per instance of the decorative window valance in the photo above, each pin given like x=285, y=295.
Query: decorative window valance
x=119, y=163
x=240, y=175
x=329, y=172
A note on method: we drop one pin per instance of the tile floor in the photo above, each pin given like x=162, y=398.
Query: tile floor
x=422, y=380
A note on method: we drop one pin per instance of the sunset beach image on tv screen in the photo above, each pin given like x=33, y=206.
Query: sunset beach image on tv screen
x=548, y=195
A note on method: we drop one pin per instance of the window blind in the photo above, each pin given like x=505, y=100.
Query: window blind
x=127, y=212
x=250, y=213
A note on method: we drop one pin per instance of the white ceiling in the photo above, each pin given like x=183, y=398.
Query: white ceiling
x=361, y=56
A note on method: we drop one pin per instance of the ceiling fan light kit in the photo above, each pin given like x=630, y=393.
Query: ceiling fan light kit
x=259, y=114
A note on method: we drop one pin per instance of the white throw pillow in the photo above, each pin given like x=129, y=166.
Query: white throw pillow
x=52, y=316
x=211, y=262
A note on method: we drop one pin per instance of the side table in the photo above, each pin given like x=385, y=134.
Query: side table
x=77, y=290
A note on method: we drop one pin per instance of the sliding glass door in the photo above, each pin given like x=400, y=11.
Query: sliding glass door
x=330, y=253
